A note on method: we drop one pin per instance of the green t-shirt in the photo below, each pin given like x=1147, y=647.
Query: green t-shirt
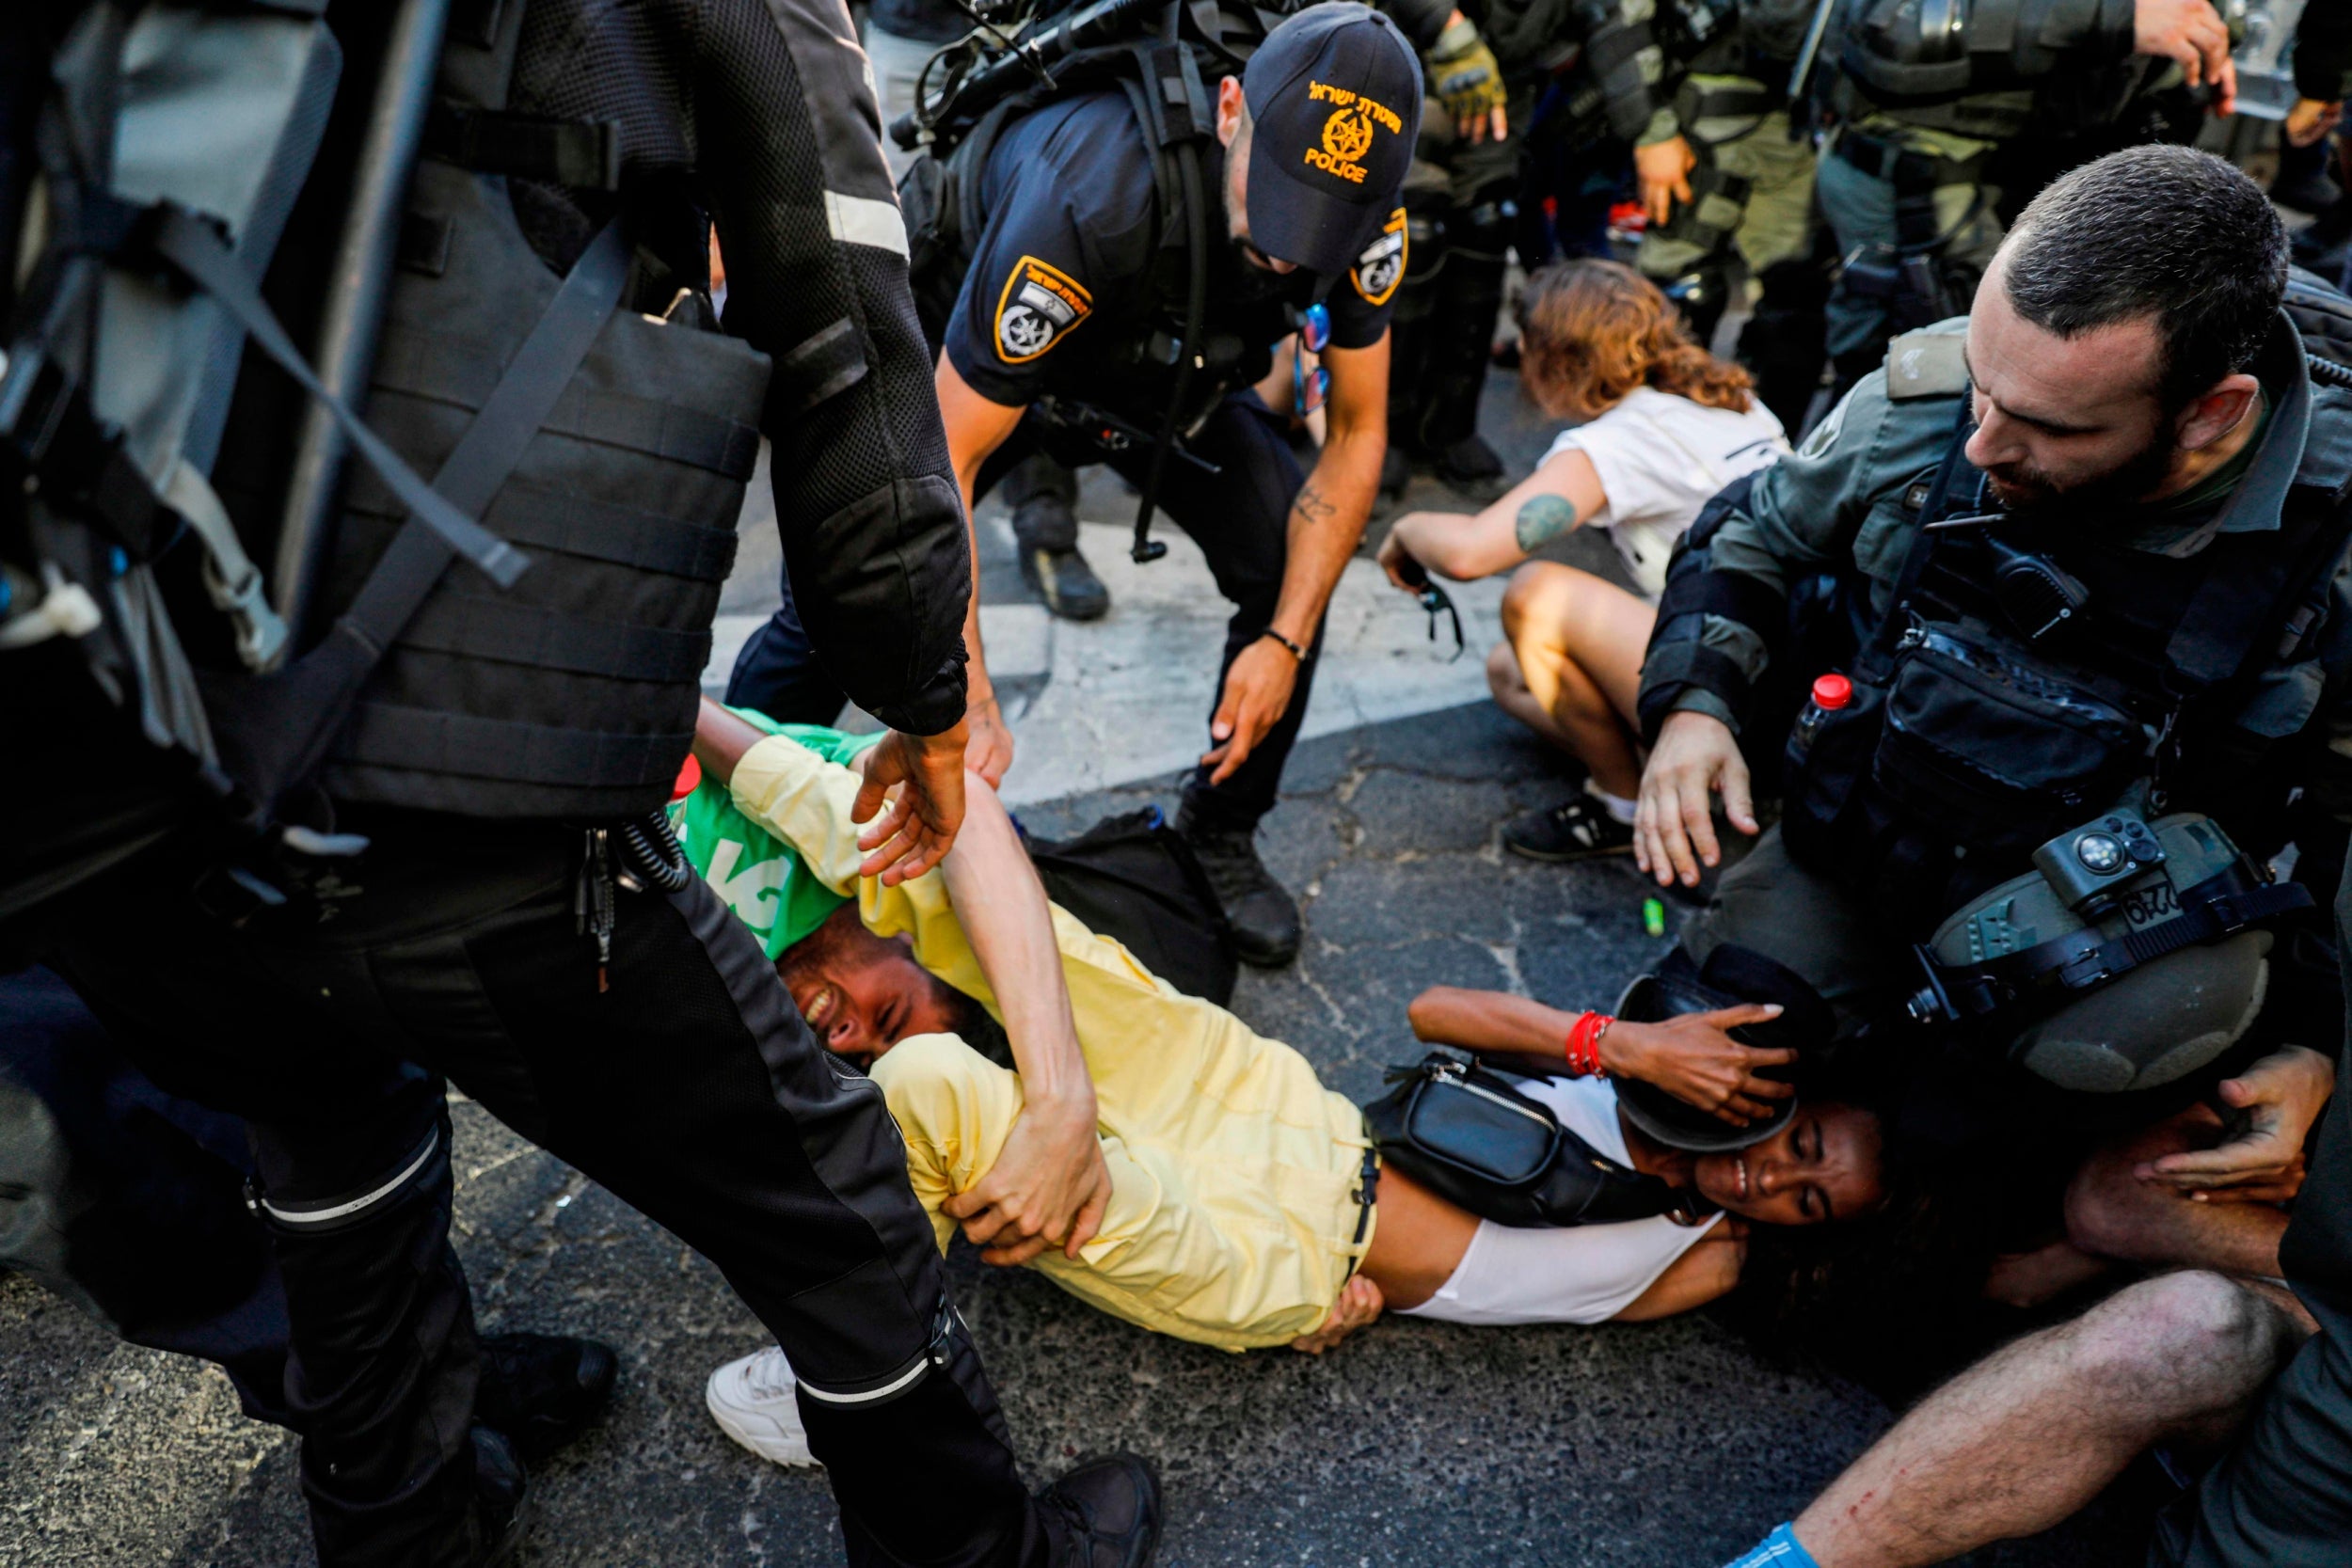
x=754, y=872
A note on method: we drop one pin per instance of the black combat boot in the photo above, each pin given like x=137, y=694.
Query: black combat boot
x=1067, y=584
x=539, y=1392
x=1043, y=496
x=1262, y=914
x=1104, y=1514
x=502, y=1501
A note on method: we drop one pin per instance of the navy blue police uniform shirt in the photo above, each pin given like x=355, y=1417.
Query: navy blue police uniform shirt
x=1066, y=257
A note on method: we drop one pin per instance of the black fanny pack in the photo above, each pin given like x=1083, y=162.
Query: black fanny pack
x=1965, y=738
x=1472, y=1138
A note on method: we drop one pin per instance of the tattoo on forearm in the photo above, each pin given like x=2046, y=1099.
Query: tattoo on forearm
x=1311, y=504
x=1543, y=518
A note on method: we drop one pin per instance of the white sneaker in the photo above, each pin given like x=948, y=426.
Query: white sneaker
x=753, y=1401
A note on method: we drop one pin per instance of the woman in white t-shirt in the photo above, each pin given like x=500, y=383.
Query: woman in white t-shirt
x=1665, y=425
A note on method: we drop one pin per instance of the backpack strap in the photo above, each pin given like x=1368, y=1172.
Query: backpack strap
x=1176, y=123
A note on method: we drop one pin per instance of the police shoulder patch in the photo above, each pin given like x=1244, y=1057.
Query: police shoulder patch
x=1039, y=304
x=1382, y=267
x=1927, y=364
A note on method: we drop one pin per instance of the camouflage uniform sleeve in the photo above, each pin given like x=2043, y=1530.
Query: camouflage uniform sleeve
x=1834, y=505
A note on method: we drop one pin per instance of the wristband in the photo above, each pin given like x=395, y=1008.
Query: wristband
x=1583, y=1049
x=1294, y=649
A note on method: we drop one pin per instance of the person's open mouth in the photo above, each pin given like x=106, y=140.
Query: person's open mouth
x=820, y=1009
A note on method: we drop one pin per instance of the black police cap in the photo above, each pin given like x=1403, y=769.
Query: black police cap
x=1334, y=95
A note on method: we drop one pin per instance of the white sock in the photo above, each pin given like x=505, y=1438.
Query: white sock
x=1618, y=806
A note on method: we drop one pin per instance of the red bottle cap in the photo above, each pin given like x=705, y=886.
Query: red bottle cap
x=690, y=778
x=1831, y=693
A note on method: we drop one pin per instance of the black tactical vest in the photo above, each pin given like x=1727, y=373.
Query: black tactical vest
x=572, y=693
x=1969, y=742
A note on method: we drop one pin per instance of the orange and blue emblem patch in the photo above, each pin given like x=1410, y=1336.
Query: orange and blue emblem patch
x=1382, y=267
x=1039, y=303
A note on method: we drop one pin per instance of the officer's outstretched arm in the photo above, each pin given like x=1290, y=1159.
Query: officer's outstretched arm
x=1326, y=521
x=975, y=427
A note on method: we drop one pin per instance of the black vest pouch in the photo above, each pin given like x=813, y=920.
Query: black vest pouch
x=1986, y=746
x=1829, y=751
x=1472, y=1138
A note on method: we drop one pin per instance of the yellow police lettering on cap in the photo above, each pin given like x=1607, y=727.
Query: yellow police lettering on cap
x=1377, y=271
x=1039, y=303
x=1347, y=134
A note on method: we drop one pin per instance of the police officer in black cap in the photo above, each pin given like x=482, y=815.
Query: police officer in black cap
x=1068, y=312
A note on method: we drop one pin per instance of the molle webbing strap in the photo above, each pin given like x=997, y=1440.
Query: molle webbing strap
x=604, y=530
x=485, y=626
x=428, y=740
x=585, y=155
x=446, y=370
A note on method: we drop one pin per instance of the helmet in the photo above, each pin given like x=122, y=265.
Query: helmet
x=2129, y=957
x=1731, y=975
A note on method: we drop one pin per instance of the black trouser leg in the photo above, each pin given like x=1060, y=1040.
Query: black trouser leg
x=1461, y=339
x=1240, y=517
x=778, y=671
x=381, y=1368
x=1784, y=343
x=129, y=1201
x=1043, y=496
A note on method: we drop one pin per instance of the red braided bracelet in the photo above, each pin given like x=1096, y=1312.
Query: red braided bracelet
x=1584, y=1045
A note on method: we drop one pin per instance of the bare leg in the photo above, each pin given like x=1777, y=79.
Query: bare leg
x=1577, y=642
x=2113, y=1213
x=2031, y=1434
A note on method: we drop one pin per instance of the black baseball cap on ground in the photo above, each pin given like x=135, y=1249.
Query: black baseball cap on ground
x=1334, y=97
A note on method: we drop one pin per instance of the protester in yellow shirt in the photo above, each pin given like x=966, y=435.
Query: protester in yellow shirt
x=1242, y=1208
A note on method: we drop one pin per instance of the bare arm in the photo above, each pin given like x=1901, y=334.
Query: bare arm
x=1564, y=493
x=1709, y=1270
x=1049, y=1184
x=1693, y=1057
x=1326, y=520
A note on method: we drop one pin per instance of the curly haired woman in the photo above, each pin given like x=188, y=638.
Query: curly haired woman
x=1662, y=426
